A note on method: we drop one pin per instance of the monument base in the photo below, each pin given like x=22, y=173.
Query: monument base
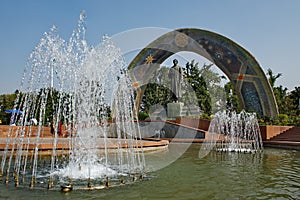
x=174, y=109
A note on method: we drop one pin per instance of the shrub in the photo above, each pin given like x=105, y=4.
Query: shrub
x=143, y=115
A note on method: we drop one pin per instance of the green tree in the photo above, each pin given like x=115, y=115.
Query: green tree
x=293, y=105
x=281, y=99
x=7, y=102
x=157, y=90
x=279, y=92
x=194, y=89
x=287, y=102
x=214, y=86
x=295, y=96
x=272, y=77
x=197, y=82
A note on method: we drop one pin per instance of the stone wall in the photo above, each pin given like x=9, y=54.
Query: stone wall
x=169, y=129
x=194, y=122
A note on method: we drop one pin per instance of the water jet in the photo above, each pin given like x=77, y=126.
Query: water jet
x=233, y=132
x=81, y=99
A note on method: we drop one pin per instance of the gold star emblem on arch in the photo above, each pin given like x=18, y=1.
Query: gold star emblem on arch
x=149, y=59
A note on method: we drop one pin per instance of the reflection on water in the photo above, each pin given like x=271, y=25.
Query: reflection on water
x=271, y=175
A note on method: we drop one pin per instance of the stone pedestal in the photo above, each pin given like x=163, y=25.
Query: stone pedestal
x=174, y=109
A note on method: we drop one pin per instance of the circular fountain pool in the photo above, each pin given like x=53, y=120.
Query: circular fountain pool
x=269, y=175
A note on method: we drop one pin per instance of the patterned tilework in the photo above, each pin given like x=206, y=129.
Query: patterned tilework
x=255, y=93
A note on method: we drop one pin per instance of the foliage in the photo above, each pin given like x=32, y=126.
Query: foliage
x=201, y=87
x=272, y=77
x=205, y=116
x=50, y=104
x=157, y=91
x=281, y=99
x=214, y=87
x=203, y=81
x=143, y=115
x=283, y=119
x=232, y=101
x=194, y=77
x=287, y=102
x=6, y=103
x=34, y=101
x=294, y=98
x=292, y=106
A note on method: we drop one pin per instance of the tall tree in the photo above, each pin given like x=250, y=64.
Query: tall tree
x=279, y=92
x=157, y=91
x=294, y=105
x=272, y=77
x=196, y=80
x=214, y=86
x=7, y=102
x=281, y=99
x=295, y=95
x=194, y=89
x=287, y=102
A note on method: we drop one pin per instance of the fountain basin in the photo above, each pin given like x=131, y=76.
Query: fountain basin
x=63, y=146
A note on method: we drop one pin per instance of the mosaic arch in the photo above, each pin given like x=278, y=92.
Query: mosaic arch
x=253, y=89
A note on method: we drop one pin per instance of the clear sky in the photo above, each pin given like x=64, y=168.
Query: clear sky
x=269, y=29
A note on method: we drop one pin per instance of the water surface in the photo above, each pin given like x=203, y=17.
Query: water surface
x=275, y=174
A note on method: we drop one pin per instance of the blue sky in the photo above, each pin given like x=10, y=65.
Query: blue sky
x=269, y=29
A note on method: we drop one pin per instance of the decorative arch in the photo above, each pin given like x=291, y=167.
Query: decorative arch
x=250, y=83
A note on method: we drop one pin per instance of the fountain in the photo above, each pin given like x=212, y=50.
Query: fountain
x=83, y=96
x=233, y=132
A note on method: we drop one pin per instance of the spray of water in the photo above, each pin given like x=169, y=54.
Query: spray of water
x=233, y=132
x=85, y=90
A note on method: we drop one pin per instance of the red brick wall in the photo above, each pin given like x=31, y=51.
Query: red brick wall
x=4, y=129
x=267, y=132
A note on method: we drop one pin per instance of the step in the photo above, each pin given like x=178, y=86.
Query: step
x=292, y=134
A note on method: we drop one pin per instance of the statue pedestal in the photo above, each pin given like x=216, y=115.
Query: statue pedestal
x=174, y=109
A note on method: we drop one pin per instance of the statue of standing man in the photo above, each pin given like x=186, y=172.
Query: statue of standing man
x=175, y=74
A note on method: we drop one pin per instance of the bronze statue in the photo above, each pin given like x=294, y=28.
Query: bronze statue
x=175, y=74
